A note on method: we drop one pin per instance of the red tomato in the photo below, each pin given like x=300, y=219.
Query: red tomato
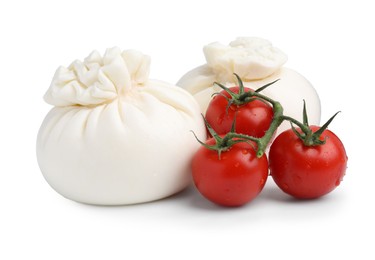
x=234, y=179
x=307, y=172
x=253, y=118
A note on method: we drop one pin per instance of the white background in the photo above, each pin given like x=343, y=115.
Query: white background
x=329, y=42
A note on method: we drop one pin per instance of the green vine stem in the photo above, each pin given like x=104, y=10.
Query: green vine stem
x=308, y=137
x=278, y=118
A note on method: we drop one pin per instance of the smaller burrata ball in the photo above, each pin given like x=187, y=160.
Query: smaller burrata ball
x=258, y=63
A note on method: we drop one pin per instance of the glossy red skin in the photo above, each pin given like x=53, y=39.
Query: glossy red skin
x=307, y=172
x=234, y=179
x=253, y=118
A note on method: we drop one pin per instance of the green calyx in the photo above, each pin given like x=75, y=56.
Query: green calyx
x=242, y=97
x=307, y=136
x=223, y=143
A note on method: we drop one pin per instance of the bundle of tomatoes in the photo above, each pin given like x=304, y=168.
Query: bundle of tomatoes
x=231, y=167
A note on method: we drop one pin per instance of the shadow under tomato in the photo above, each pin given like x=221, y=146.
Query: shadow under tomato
x=273, y=193
x=198, y=201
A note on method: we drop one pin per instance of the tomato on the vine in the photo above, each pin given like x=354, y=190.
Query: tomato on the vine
x=231, y=168
x=230, y=178
x=307, y=172
x=252, y=118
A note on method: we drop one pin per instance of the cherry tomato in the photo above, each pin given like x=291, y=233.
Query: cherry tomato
x=234, y=179
x=307, y=172
x=252, y=118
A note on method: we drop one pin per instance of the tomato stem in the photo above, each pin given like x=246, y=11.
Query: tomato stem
x=231, y=138
x=308, y=137
x=278, y=111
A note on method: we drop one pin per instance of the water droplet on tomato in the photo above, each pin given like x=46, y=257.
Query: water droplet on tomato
x=244, y=151
x=285, y=186
x=237, y=164
x=262, y=181
x=337, y=183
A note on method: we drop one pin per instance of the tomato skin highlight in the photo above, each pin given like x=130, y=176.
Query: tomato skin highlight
x=234, y=179
x=307, y=172
x=253, y=118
